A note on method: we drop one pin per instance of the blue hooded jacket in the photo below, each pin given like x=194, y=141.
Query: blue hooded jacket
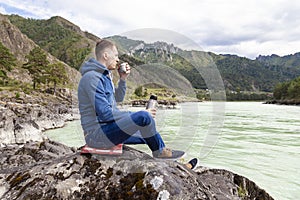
x=97, y=96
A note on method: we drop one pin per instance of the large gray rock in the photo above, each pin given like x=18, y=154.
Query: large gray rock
x=49, y=170
x=26, y=120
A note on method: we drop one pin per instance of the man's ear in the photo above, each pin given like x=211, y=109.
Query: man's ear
x=105, y=56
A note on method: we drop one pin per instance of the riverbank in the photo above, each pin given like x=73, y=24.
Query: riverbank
x=168, y=104
x=163, y=103
x=25, y=117
x=292, y=102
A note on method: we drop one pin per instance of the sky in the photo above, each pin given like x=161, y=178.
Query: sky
x=246, y=28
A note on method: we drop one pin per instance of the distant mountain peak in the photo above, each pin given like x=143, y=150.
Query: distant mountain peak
x=66, y=24
x=72, y=27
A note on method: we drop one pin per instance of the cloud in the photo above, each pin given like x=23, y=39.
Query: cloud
x=246, y=28
x=2, y=10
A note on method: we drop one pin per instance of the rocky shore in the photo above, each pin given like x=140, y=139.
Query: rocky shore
x=162, y=103
x=26, y=117
x=50, y=170
x=292, y=102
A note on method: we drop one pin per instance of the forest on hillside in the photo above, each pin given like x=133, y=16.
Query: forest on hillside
x=40, y=70
x=244, y=79
x=289, y=90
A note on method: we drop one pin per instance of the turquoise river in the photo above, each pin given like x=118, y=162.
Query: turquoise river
x=256, y=140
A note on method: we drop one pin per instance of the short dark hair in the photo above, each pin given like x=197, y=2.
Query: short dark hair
x=103, y=45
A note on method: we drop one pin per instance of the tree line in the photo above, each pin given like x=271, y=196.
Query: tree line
x=7, y=62
x=65, y=44
x=289, y=90
x=39, y=68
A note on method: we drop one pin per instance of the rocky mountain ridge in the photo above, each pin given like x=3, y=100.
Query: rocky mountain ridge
x=238, y=73
x=13, y=39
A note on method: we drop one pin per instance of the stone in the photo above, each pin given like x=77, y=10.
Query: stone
x=50, y=170
x=22, y=122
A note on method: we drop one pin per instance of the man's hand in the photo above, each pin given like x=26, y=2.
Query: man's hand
x=152, y=111
x=124, y=75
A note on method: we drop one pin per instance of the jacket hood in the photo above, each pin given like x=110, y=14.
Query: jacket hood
x=93, y=65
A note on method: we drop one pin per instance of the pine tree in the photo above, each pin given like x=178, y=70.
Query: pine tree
x=37, y=65
x=57, y=74
x=7, y=61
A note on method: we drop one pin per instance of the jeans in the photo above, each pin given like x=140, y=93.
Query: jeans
x=136, y=128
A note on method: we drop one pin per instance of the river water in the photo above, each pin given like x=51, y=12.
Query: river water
x=258, y=141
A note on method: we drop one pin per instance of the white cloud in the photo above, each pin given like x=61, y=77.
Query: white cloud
x=2, y=10
x=246, y=28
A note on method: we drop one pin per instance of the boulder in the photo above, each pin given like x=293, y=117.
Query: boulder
x=22, y=122
x=50, y=170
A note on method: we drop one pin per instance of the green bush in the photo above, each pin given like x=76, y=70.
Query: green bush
x=139, y=91
x=17, y=95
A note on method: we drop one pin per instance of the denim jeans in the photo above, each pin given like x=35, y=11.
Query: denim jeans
x=136, y=128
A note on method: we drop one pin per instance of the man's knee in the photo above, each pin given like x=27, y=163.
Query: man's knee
x=144, y=118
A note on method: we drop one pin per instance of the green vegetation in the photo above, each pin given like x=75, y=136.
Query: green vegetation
x=139, y=92
x=29, y=70
x=244, y=74
x=177, y=62
x=17, y=95
x=288, y=90
x=235, y=95
x=7, y=62
x=242, y=192
x=51, y=35
x=288, y=65
x=42, y=72
x=57, y=75
x=133, y=61
x=187, y=70
x=244, y=79
x=144, y=92
x=248, y=96
x=37, y=66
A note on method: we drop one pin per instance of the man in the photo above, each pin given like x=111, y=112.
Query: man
x=103, y=123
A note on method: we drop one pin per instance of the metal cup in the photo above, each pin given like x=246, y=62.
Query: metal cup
x=122, y=67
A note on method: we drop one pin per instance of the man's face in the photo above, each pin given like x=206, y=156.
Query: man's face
x=113, y=58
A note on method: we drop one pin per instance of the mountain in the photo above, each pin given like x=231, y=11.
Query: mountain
x=292, y=60
x=68, y=43
x=59, y=37
x=288, y=65
x=20, y=46
x=238, y=73
x=26, y=111
x=65, y=40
